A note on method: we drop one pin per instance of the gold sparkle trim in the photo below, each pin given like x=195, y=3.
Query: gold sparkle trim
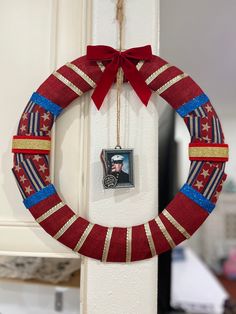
x=101, y=66
x=68, y=83
x=84, y=76
x=155, y=74
x=176, y=224
x=50, y=212
x=65, y=227
x=171, y=82
x=139, y=65
x=83, y=237
x=107, y=244
x=150, y=239
x=215, y=152
x=38, y=144
x=128, y=244
x=165, y=232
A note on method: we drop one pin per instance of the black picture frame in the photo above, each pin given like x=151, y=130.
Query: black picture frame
x=122, y=159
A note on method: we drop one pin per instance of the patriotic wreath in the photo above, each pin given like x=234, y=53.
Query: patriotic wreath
x=145, y=72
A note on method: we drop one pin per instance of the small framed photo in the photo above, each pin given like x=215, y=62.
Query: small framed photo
x=118, y=168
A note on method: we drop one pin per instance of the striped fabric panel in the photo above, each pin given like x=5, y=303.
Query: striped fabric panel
x=33, y=174
x=200, y=112
x=30, y=106
x=194, y=171
x=34, y=123
x=31, y=124
x=216, y=131
x=194, y=126
x=19, y=185
x=208, y=129
x=215, y=179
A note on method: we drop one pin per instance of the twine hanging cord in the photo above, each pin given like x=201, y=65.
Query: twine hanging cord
x=120, y=74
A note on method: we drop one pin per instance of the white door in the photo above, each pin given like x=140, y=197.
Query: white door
x=37, y=37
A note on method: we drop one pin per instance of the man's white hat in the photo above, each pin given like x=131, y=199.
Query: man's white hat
x=116, y=158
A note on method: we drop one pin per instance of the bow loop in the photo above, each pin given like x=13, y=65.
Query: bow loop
x=121, y=59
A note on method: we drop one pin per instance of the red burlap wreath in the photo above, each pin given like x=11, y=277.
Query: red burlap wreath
x=145, y=72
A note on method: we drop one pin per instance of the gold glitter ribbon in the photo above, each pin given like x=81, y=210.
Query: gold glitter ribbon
x=107, y=244
x=165, y=232
x=83, y=237
x=84, y=76
x=65, y=227
x=50, y=212
x=68, y=83
x=171, y=82
x=150, y=239
x=128, y=244
x=31, y=144
x=155, y=74
x=176, y=224
x=208, y=152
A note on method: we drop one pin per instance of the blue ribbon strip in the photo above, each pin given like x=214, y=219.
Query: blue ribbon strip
x=192, y=105
x=46, y=104
x=197, y=198
x=39, y=196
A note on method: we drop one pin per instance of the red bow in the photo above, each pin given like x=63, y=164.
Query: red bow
x=120, y=59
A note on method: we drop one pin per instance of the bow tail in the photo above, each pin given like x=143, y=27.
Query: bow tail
x=137, y=82
x=104, y=84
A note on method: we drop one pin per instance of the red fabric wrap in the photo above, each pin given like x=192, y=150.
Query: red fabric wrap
x=159, y=240
x=117, y=251
x=185, y=211
x=61, y=217
x=93, y=246
x=174, y=233
x=188, y=213
x=120, y=59
x=181, y=92
x=43, y=206
x=71, y=237
x=140, y=247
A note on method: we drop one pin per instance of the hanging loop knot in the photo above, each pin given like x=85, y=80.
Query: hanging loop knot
x=121, y=59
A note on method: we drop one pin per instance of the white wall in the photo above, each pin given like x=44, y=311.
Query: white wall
x=131, y=288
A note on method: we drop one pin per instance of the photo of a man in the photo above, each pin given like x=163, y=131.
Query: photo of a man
x=117, y=165
x=118, y=168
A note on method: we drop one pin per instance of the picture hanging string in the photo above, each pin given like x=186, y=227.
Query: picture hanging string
x=120, y=74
